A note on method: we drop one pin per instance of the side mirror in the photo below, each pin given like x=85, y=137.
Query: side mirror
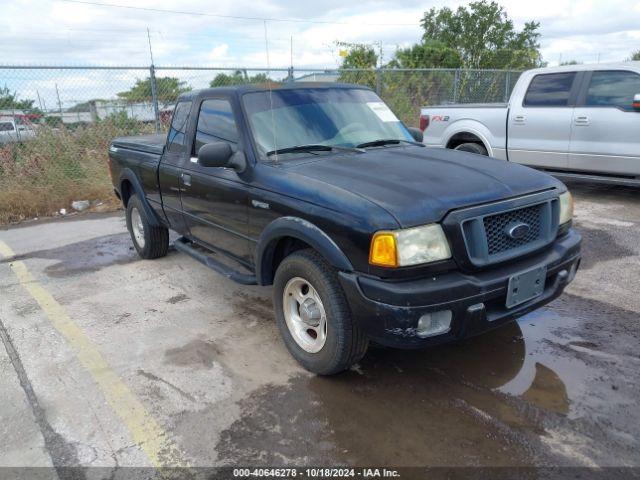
x=416, y=133
x=216, y=154
x=636, y=102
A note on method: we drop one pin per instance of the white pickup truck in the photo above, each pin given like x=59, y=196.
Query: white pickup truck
x=577, y=121
x=12, y=132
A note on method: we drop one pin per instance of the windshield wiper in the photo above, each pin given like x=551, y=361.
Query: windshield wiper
x=386, y=141
x=311, y=148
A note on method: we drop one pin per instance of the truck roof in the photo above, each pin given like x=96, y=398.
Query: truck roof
x=633, y=65
x=264, y=87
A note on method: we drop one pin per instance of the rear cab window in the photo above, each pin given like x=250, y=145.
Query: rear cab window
x=176, y=140
x=612, y=88
x=550, y=90
x=216, y=123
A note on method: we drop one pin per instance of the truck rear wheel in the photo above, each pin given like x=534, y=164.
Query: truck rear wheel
x=313, y=315
x=150, y=241
x=473, y=148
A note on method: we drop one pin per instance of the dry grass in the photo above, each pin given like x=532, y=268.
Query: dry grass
x=44, y=174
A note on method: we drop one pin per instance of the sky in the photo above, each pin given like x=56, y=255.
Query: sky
x=57, y=32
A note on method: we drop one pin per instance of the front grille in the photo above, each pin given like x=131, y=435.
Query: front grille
x=496, y=226
x=486, y=233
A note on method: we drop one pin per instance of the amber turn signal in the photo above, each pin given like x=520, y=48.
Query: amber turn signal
x=383, y=250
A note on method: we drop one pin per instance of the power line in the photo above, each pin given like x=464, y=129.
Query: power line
x=236, y=17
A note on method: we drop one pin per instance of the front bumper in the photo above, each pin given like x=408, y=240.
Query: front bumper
x=388, y=311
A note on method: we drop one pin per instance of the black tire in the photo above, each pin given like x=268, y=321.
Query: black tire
x=473, y=148
x=156, y=238
x=345, y=342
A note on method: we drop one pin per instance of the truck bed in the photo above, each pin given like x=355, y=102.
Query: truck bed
x=143, y=143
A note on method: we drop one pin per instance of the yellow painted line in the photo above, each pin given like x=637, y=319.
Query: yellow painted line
x=146, y=432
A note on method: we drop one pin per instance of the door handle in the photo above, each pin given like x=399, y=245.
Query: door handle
x=519, y=119
x=186, y=179
x=582, y=120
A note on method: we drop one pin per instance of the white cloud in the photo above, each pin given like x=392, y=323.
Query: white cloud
x=56, y=32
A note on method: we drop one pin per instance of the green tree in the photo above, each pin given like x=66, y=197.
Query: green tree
x=167, y=89
x=10, y=101
x=484, y=36
x=635, y=56
x=358, y=56
x=570, y=62
x=429, y=54
x=239, y=77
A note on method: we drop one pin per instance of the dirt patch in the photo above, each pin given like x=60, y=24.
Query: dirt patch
x=599, y=245
x=200, y=353
x=258, y=308
x=178, y=298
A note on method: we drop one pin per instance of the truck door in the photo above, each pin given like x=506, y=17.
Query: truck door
x=175, y=156
x=214, y=199
x=606, y=128
x=539, y=129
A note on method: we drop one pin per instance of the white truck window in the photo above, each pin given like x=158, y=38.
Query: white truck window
x=613, y=89
x=6, y=127
x=549, y=90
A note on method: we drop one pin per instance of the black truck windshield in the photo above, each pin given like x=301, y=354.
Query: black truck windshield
x=335, y=117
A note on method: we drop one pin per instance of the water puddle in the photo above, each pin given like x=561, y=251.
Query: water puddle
x=86, y=256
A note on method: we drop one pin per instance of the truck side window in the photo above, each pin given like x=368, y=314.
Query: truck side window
x=215, y=123
x=177, y=133
x=613, y=89
x=549, y=90
x=6, y=127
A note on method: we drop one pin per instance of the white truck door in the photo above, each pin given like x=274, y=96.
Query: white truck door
x=606, y=129
x=539, y=126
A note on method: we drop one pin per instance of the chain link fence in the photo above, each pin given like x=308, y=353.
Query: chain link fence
x=56, y=122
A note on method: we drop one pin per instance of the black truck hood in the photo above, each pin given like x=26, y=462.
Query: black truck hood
x=420, y=185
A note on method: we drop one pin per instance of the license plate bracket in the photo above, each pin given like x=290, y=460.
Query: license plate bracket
x=526, y=286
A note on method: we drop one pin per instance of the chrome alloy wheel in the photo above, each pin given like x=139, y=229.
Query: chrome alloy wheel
x=304, y=314
x=137, y=227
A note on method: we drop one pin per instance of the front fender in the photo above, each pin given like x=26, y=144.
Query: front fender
x=128, y=175
x=300, y=229
x=470, y=126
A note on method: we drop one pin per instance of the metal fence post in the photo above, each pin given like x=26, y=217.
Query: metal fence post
x=456, y=81
x=507, y=86
x=378, y=81
x=154, y=97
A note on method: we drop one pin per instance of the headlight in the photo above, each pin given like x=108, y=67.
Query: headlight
x=412, y=246
x=566, y=207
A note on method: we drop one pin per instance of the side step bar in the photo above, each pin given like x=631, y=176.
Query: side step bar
x=185, y=246
x=595, y=178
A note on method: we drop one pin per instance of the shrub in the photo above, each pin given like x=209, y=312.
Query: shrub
x=59, y=165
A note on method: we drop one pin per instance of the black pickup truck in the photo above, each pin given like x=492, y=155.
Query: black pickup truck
x=364, y=233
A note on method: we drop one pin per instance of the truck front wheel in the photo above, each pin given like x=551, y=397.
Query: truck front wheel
x=472, y=147
x=150, y=241
x=313, y=315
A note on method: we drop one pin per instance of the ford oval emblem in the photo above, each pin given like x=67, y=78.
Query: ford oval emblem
x=517, y=230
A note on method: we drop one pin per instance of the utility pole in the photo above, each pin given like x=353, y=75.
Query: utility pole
x=39, y=100
x=59, y=102
x=291, y=59
x=152, y=81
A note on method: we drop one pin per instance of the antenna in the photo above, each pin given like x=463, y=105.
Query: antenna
x=273, y=119
x=150, y=51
